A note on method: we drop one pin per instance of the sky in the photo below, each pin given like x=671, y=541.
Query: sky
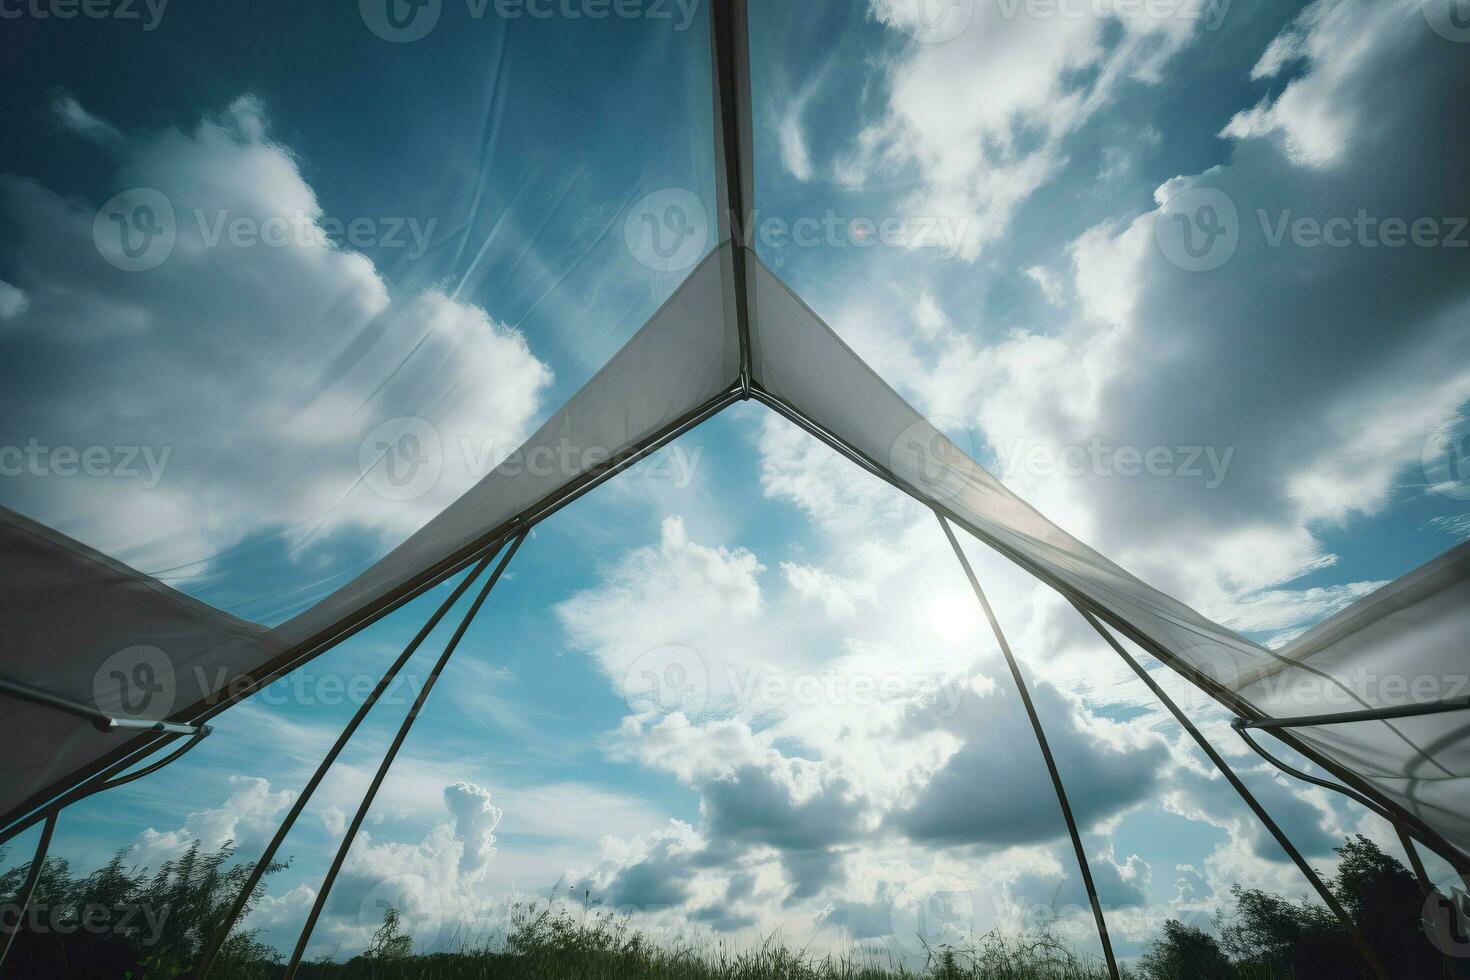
x=745, y=688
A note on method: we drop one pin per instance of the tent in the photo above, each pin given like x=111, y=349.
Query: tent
x=94, y=647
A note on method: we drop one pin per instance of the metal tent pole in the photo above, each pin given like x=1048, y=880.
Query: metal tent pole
x=33, y=877
x=1371, y=958
x=386, y=764
x=222, y=933
x=1051, y=765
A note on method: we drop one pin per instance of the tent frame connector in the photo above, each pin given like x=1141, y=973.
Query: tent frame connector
x=387, y=762
x=1351, y=717
x=1375, y=965
x=104, y=721
x=1045, y=746
x=1296, y=773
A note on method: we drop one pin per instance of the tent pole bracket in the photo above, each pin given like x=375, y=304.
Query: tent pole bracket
x=104, y=721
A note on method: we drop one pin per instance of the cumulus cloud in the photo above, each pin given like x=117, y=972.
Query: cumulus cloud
x=13, y=302
x=248, y=818
x=981, y=119
x=261, y=366
x=475, y=820
x=984, y=794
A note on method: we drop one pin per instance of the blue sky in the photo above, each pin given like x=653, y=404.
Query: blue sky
x=850, y=746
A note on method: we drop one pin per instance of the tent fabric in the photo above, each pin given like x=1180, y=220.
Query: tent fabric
x=79, y=625
x=1413, y=628
x=1401, y=645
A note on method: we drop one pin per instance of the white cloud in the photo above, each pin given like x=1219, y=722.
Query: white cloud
x=981, y=118
x=248, y=818
x=261, y=369
x=13, y=302
x=77, y=119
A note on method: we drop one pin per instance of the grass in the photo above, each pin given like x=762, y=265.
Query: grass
x=547, y=945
